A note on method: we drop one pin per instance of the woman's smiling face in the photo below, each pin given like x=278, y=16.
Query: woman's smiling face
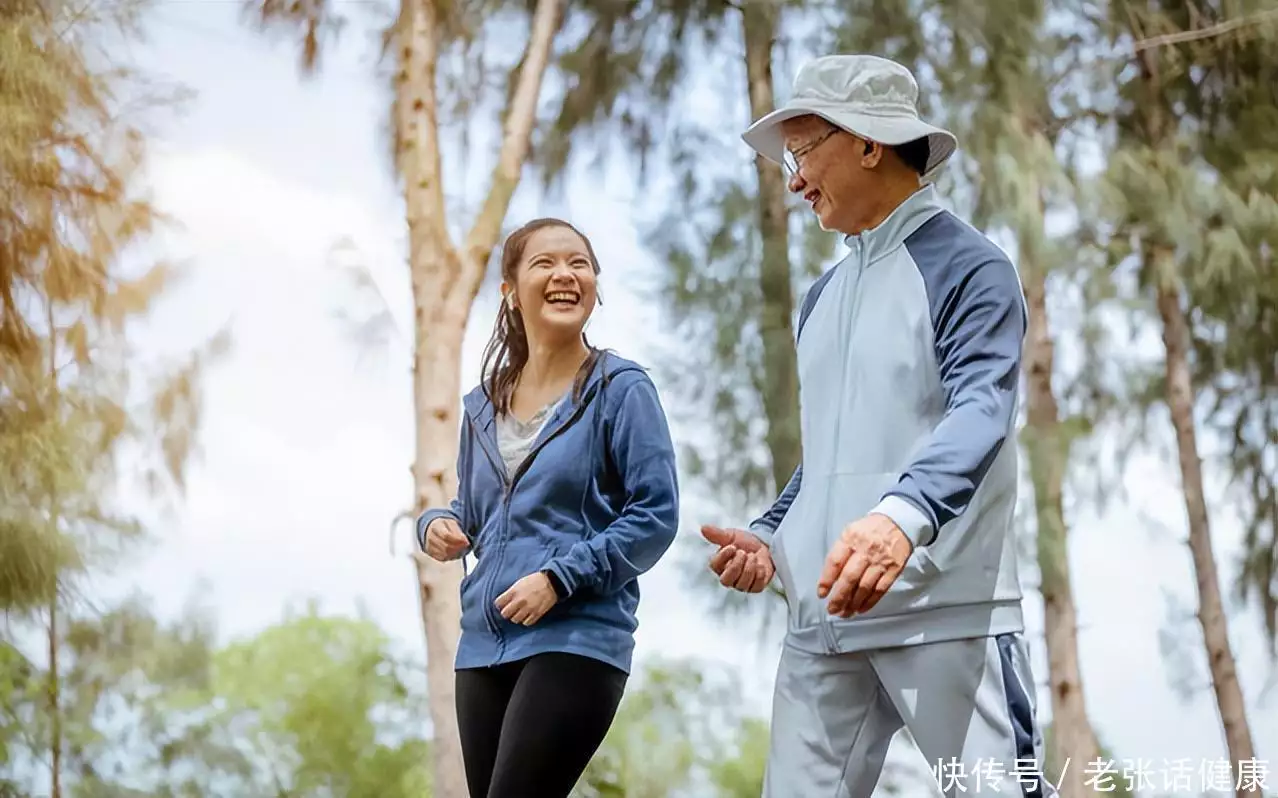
x=555, y=284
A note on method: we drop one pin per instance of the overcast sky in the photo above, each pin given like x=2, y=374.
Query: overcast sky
x=307, y=441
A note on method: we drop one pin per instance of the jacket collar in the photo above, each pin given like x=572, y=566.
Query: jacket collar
x=480, y=409
x=899, y=225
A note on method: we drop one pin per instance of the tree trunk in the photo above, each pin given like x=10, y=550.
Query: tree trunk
x=55, y=704
x=781, y=379
x=1211, y=610
x=1158, y=130
x=55, y=516
x=1073, y=739
x=445, y=283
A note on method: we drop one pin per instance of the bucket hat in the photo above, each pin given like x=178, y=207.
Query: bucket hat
x=869, y=96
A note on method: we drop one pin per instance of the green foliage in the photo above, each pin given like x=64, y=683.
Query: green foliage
x=35, y=454
x=315, y=705
x=1194, y=171
x=70, y=161
x=79, y=410
x=20, y=688
x=620, y=74
x=324, y=703
x=679, y=730
x=711, y=293
x=654, y=724
x=111, y=666
x=740, y=775
x=1236, y=295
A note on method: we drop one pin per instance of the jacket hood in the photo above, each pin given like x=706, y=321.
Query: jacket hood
x=608, y=365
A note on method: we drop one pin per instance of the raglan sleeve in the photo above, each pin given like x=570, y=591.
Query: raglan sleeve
x=765, y=526
x=979, y=319
x=641, y=448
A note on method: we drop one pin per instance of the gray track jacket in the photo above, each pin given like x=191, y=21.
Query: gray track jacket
x=909, y=355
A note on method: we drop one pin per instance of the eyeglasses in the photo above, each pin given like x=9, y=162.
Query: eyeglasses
x=793, y=160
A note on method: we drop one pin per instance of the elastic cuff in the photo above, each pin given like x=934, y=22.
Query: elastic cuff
x=559, y=578
x=423, y=521
x=909, y=518
x=762, y=532
x=560, y=590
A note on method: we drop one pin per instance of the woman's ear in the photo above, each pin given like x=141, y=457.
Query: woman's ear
x=507, y=295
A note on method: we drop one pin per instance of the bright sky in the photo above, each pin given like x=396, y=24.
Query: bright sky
x=307, y=444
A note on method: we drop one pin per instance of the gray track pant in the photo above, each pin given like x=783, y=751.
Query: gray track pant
x=969, y=705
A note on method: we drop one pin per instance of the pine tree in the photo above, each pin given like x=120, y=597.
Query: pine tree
x=70, y=159
x=1161, y=191
x=1235, y=327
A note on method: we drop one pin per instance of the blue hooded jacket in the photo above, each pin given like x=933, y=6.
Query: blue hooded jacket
x=595, y=504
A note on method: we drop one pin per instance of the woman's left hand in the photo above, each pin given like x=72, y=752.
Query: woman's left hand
x=527, y=600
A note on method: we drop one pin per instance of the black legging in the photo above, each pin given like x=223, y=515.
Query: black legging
x=529, y=728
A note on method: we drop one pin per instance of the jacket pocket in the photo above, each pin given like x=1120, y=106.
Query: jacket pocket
x=813, y=525
x=783, y=572
x=473, y=610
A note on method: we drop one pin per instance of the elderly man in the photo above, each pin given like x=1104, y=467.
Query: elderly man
x=894, y=540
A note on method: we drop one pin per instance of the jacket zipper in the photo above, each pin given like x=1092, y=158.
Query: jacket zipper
x=496, y=463
x=500, y=468
x=573, y=419
x=491, y=612
x=827, y=625
x=467, y=467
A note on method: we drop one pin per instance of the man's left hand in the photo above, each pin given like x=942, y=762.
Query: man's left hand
x=862, y=565
x=528, y=599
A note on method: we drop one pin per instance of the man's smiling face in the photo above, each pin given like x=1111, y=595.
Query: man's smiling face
x=833, y=173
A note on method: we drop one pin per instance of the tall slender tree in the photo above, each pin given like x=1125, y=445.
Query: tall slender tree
x=1235, y=330
x=70, y=161
x=71, y=211
x=1162, y=189
x=729, y=249
x=760, y=27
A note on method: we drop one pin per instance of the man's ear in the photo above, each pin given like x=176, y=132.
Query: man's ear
x=872, y=155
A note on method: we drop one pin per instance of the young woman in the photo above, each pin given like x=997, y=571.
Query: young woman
x=566, y=494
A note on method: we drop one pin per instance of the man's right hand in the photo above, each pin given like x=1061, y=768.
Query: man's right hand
x=444, y=540
x=743, y=562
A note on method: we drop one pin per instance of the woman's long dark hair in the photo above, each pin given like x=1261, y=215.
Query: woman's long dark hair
x=507, y=350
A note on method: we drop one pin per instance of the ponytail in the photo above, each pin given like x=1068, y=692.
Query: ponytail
x=505, y=357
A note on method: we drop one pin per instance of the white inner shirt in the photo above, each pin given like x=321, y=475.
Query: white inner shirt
x=515, y=438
